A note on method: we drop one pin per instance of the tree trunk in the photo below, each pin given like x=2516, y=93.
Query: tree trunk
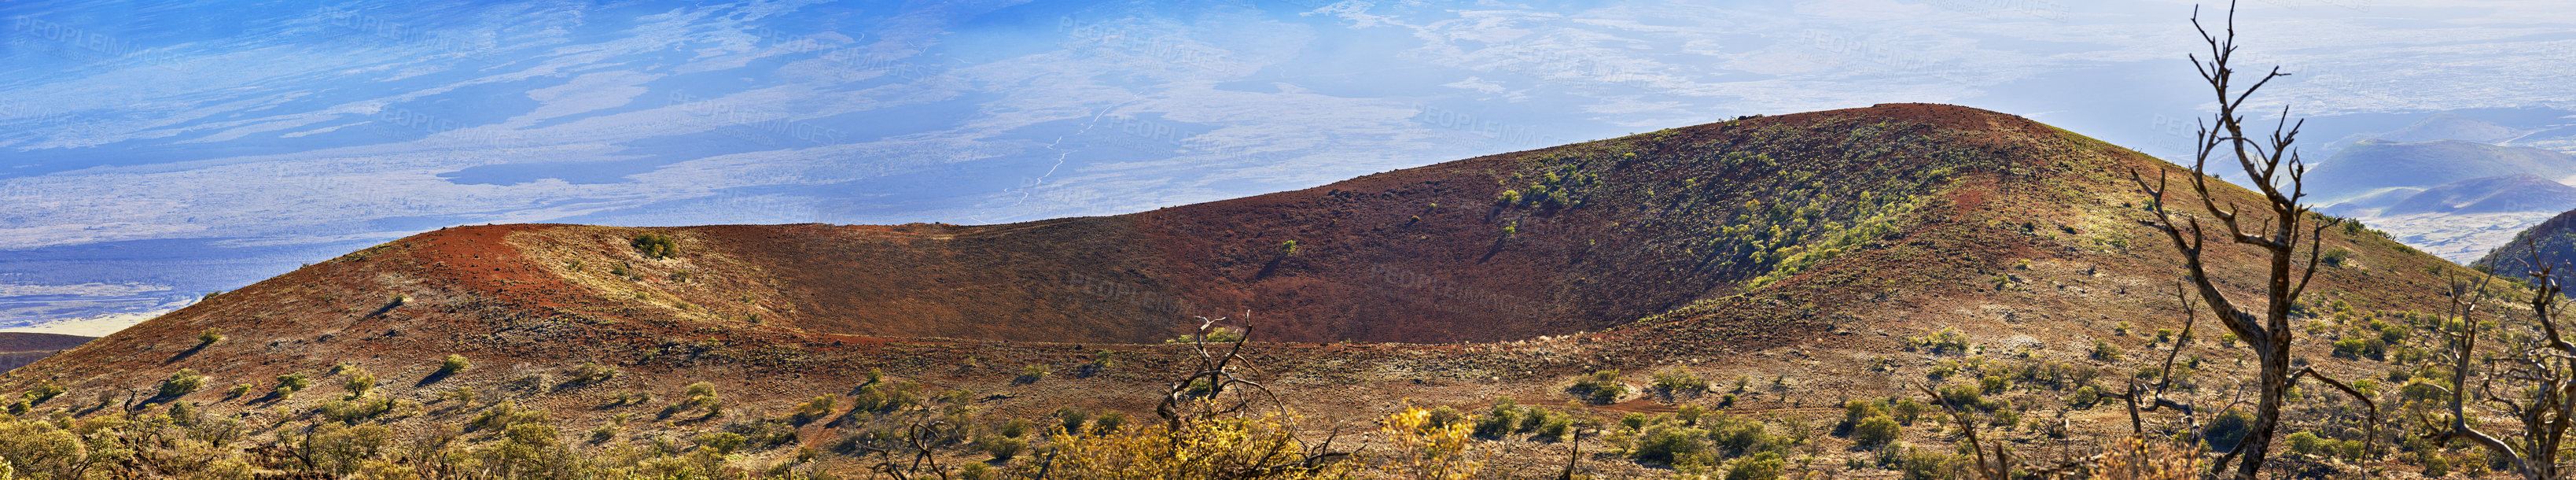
x=2276, y=386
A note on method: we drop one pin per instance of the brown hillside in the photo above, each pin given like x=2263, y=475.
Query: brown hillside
x=1802, y=246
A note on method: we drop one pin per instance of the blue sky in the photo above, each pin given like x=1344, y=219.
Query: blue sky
x=151, y=151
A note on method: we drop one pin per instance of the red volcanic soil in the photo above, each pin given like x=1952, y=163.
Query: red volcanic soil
x=1418, y=255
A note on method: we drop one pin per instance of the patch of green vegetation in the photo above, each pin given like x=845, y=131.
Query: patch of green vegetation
x=656, y=245
x=454, y=364
x=182, y=382
x=1673, y=381
x=1602, y=387
x=590, y=373
x=1948, y=340
x=1219, y=335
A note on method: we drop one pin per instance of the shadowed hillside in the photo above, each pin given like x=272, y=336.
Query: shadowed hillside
x=2511, y=193
x=18, y=348
x=2373, y=165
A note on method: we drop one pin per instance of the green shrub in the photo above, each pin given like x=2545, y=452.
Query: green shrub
x=2360, y=347
x=44, y=391
x=1761, y=466
x=1670, y=445
x=2230, y=427
x=1499, y=420
x=1001, y=447
x=2105, y=351
x=1948, y=340
x=2005, y=417
x=182, y=382
x=454, y=364
x=698, y=396
x=2336, y=256
x=589, y=373
x=1675, y=381
x=463, y=395
x=1073, y=419
x=357, y=409
x=978, y=471
x=1963, y=397
x=1032, y=374
x=1922, y=465
x=1741, y=435
x=819, y=407
x=1109, y=422
x=344, y=450
x=533, y=382
x=723, y=443
x=2305, y=443
x=1875, y=431
x=1890, y=456
x=1443, y=417
x=1556, y=427
x=656, y=245
x=1219, y=335
x=1855, y=411
x=1532, y=418
x=209, y=337
x=1906, y=410
x=1603, y=387
x=762, y=433
x=293, y=382
x=885, y=397
x=359, y=382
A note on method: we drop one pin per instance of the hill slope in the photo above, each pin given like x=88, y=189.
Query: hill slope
x=2555, y=241
x=2510, y=193
x=1804, y=246
x=2372, y=165
x=20, y=348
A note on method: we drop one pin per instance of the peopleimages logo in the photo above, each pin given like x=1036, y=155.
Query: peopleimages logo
x=31, y=31
x=405, y=34
x=729, y=115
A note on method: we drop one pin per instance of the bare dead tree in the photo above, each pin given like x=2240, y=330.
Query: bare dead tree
x=1199, y=395
x=2141, y=398
x=1195, y=395
x=924, y=457
x=2266, y=331
x=2001, y=465
x=2540, y=375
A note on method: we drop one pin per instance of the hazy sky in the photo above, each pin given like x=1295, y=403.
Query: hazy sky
x=152, y=150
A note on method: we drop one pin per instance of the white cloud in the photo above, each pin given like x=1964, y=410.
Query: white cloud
x=85, y=289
